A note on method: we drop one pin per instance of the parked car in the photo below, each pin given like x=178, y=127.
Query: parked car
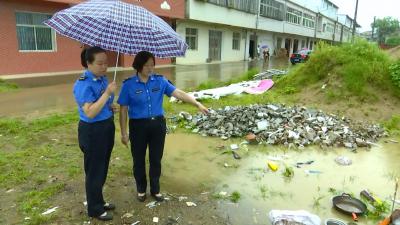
x=300, y=56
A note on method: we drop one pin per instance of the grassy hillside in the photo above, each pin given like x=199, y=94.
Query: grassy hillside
x=359, y=70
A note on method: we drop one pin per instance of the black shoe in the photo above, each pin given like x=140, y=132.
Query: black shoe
x=141, y=198
x=158, y=197
x=109, y=206
x=105, y=216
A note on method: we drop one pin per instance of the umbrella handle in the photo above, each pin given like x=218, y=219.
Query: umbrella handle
x=116, y=65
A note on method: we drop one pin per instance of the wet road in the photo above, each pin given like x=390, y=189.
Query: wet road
x=54, y=93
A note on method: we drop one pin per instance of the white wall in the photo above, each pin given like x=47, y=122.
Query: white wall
x=203, y=11
x=202, y=53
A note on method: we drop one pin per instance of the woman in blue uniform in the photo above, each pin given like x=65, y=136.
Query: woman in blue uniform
x=141, y=98
x=96, y=130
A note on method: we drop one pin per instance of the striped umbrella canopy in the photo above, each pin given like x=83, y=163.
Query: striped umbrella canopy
x=118, y=26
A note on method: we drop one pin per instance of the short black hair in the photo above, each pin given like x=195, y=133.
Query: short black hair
x=87, y=55
x=141, y=58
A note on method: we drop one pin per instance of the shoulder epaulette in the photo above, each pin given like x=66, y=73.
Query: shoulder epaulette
x=126, y=79
x=158, y=75
x=83, y=77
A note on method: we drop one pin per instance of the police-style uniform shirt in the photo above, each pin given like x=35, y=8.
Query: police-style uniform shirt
x=144, y=100
x=88, y=89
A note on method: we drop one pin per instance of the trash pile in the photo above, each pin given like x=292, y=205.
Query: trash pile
x=278, y=124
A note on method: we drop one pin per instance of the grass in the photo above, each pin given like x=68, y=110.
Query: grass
x=393, y=125
x=6, y=86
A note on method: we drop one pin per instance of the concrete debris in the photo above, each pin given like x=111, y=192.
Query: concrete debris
x=294, y=127
x=268, y=74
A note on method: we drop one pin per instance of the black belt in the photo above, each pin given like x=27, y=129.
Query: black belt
x=149, y=118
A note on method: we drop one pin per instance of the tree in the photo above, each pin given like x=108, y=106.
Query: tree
x=385, y=27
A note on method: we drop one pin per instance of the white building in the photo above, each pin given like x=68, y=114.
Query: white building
x=234, y=30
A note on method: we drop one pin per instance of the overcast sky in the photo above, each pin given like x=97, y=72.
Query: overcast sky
x=367, y=9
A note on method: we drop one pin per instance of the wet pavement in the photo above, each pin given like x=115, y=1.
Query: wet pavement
x=54, y=93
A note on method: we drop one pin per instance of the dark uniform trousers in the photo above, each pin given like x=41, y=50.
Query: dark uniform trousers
x=142, y=133
x=96, y=140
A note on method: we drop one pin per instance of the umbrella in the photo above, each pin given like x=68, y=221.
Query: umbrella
x=264, y=46
x=117, y=26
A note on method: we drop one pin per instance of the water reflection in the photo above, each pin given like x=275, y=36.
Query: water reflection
x=55, y=92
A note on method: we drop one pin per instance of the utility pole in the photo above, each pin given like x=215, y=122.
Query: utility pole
x=255, y=31
x=373, y=29
x=354, y=22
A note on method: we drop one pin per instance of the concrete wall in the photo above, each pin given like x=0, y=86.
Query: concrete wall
x=206, y=12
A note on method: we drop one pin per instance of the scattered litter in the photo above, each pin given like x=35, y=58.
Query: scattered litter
x=272, y=166
x=275, y=158
x=181, y=198
x=190, y=204
x=137, y=222
x=152, y=204
x=50, y=210
x=393, y=141
x=234, y=147
x=117, y=158
x=27, y=218
x=10, y=190
x=205, y=193
x=333, y=221
x=301, y=216
x=54, y=139
x=85, y=203
x=167, y=198
x=323, y=86
x=236, y=155
x=227, y=165
x=343, y=160
x=127, y=215
x=312, y=171
x=223, y=193
x=251, y=138
x=299, y=164
x=155, y=219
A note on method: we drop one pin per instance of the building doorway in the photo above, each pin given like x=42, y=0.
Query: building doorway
x=295, y=45
x=215, y=41
x=253, y=46
x=287, y=46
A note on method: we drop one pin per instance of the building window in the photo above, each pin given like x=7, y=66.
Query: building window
x=293, y=15
x=191, y=38
x=32, y=34
x=236, y=41
x=242, y=5
x=271, y=9
x=308, y=20
x=329, y=28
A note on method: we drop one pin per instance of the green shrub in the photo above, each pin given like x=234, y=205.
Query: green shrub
x=393, y=41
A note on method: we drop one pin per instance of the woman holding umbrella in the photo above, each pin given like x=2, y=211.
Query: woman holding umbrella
x=96, y=130
x=141, y=98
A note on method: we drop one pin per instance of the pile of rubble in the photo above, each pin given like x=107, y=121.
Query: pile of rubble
x=278, y=124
